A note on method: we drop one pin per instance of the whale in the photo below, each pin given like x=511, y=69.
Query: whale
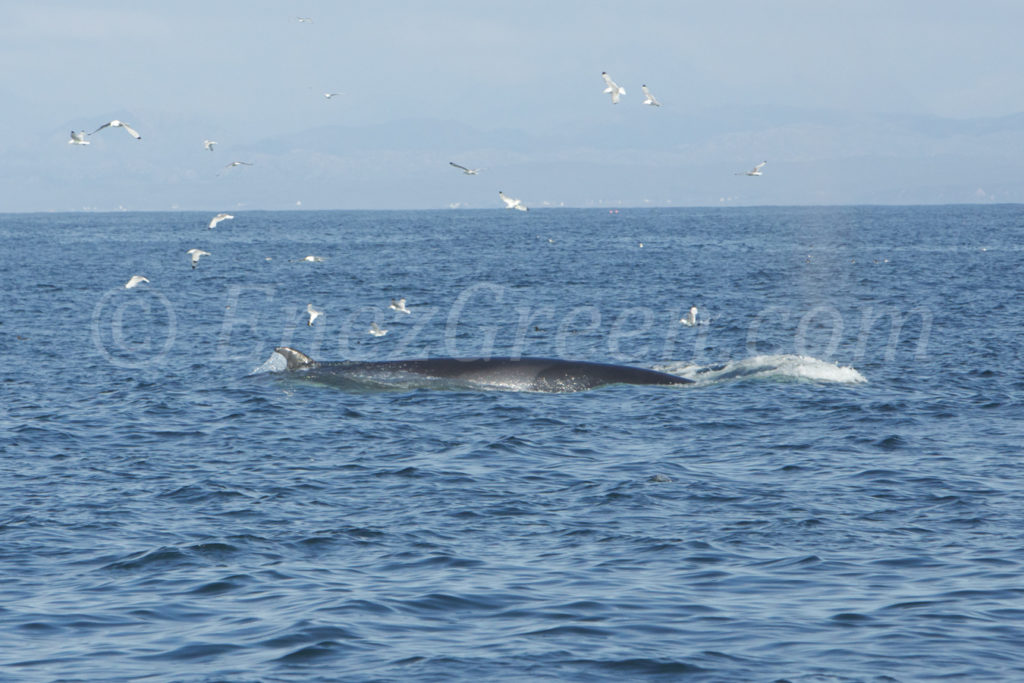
x=547, y=375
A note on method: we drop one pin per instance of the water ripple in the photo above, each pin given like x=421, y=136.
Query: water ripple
x=779, y=520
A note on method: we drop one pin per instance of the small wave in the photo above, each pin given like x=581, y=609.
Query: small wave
x=196, y=651
x=775, y=367
x=311, y=654
x=646, y=666
x=204, y=492
x=305, y=633
x=162, y=559
x=214, y=588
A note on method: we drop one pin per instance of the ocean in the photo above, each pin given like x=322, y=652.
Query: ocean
x=838, y=496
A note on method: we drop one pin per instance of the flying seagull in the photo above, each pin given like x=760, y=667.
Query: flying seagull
x=220, y=217
x=612, y=88
x=237, y=163
x=135, y=281
x=754, y=171
x=467, y=171
x=651, y=99
x=305, y=20
x=313, y=314
x=119, y=124
x=78, y=138
x=329, y=95
x=376, y=330
x=510, y=203
x=208, y=144
x=195, y=254
x=690, y=319
x=399, y=306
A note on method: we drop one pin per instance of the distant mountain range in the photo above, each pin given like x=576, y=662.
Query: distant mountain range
x=631, y=157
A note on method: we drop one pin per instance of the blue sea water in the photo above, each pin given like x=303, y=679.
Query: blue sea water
x=837, y=497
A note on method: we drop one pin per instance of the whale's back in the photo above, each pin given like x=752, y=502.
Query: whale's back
x=548, y=375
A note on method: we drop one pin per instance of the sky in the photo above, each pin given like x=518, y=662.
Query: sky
x=869, y=102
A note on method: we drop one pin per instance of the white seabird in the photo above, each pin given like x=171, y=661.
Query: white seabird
x=208, y=145
x=651, y=99
x=399, y=306
x=613, y=88
x=329, y=95
x=237, y=163
x=313, y=314
x=195, y=254
x=754, y=171
x=78, y=138
x=376, y=330
x=510, y=203
x=467, y=171
x=119, y=124
x=314, y=259
x=135, y=281
x=690, y=319
x=305, y=20
x=220, y=217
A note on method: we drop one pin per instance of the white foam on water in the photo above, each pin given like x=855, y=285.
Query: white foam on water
x=276, y=363
x=773, y=367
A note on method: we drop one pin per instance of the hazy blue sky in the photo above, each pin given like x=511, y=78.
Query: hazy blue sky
x=866, y=101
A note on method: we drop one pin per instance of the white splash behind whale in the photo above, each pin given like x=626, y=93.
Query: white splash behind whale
x=779, y=367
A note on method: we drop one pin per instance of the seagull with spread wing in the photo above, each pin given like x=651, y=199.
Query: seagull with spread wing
x=313, y=314
x=118, y=124
x=220, y=217
x=511, y=203
x=651, y=99
x=135, y=281
x=195, y=254
x=399, y=305
x=614, y=89
x=467, y=171
x=754, y=171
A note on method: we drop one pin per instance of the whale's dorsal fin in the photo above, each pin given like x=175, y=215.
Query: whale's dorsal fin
x=296, y=359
